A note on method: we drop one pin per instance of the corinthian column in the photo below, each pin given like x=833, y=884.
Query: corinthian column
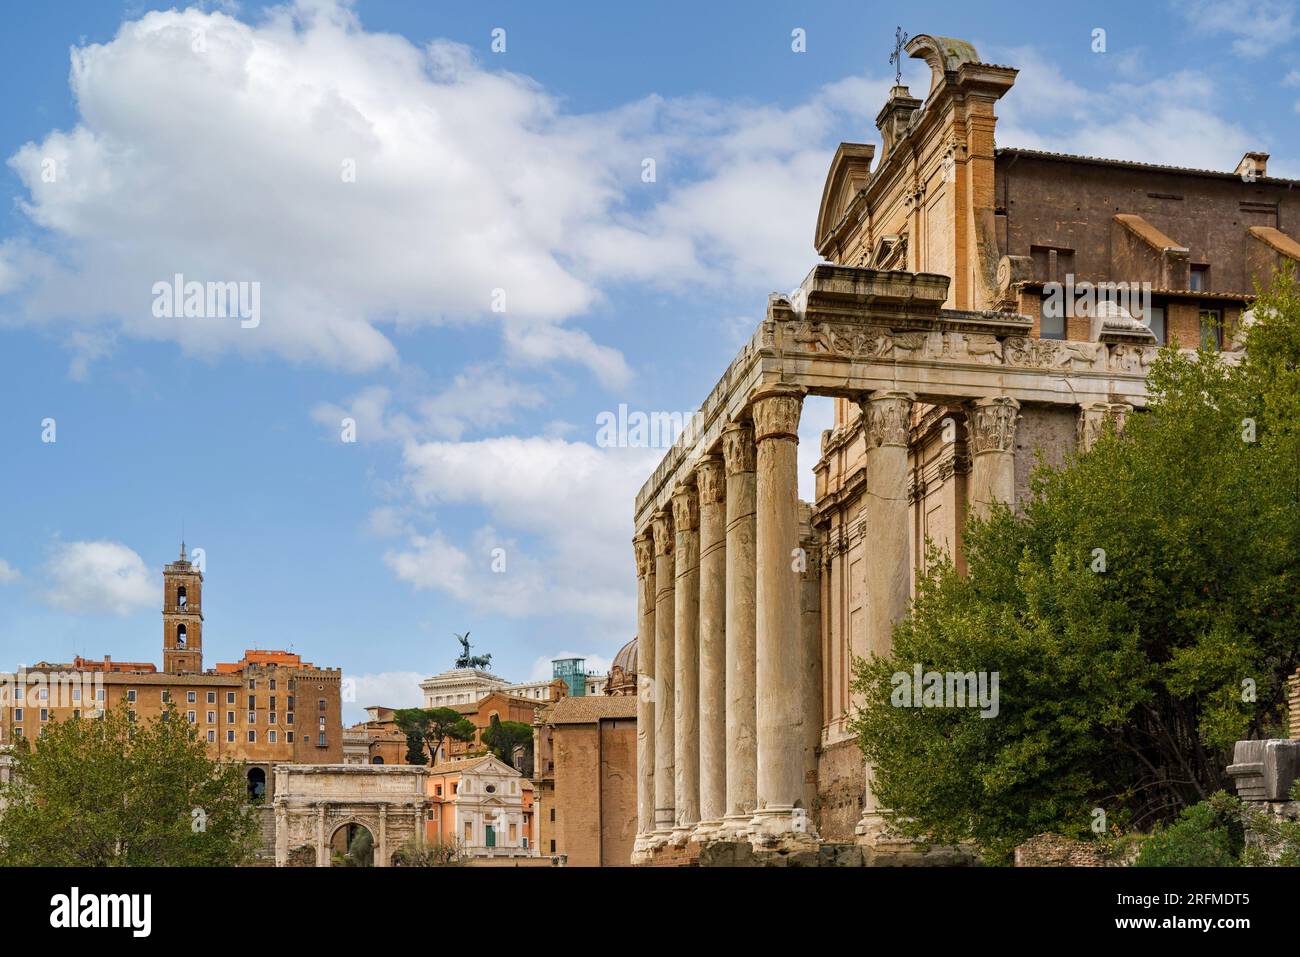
x=645, y=716
x=686, y=710
x=1094, y=418
x=992, y=427
x=741, y=732
x=664, y=679
x=886, y=422
x=780, y=816
x=711, y=480
x=811, y=652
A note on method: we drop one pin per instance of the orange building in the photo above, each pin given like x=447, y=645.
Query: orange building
x=270, y=707
x=482, y=804
x=377, y=740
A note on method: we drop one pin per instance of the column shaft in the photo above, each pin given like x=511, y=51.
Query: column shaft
x=645, y=709
x=741, y=729
x=686, y=627
x=664, y=678
x=887, y=419
x=780, y=814
x=710, y=480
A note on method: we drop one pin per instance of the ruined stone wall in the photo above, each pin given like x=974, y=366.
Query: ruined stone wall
x=841, y=782
x=1048, y=428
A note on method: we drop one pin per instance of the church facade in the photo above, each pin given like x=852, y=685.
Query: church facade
x=975, y=307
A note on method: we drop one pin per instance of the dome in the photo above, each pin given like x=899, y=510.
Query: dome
x=622, y=673
x=626, y=658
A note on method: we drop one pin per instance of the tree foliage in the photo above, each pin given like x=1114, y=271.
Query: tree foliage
x=1141, y=612
x=428, y=729
x=101, y=792
x=502, y=737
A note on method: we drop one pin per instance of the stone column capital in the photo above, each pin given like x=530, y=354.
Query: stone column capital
x=776, y=412
x=1094, y=417
x=662, y=522
x=644, y=545
x=887, y=417
x=738, y=448
x=686, y=509
x=711, y=480
x=992, y=424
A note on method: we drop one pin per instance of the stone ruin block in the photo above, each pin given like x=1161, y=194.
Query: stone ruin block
x=1265, y=770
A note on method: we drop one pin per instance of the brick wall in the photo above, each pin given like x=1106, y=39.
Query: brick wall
x=1295, y=705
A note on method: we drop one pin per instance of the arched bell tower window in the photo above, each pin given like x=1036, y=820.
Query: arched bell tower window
x=182, y=602
x=180, y=636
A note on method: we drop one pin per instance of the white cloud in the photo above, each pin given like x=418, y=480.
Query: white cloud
x=99, y=578
x=1169, y=119
x=568, y=508
x=8, y=573
x=468, y=180
x=1258, y=26
x=391, y=689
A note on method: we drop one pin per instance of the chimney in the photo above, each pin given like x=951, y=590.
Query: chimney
x=1252, y=166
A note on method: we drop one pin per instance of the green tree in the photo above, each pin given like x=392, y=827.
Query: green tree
x=418, y=853
x=1141, y=614
x=502, y=736
x=109, y=791
x=428, y=729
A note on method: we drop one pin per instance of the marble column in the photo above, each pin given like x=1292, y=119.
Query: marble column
x=686, y=630
x=711, y=482
x=886, y=423
x=322, y=851
x=811, y=663
x=381, y=848
x=645, y=707
x=1096, y=416
x=741, y=723
x=664, y=678
x=992, y=441
x=780, y=816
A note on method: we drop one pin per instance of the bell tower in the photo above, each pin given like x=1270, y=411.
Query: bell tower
x=182, y=616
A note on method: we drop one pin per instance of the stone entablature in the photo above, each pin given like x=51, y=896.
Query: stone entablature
x=847, y=332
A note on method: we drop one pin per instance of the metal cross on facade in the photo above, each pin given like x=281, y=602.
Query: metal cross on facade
x=896, y=58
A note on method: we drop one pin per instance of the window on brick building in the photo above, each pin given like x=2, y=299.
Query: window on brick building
x=230, y=717
x=1200, y=277
x=212, y=697
x=191, y=697
x=288, y=736
x=252, y=717
x=182, y=600
x=212, y=717
x=230, y=697
x=1211, y=328
x=180, y=636
x=230, y=736
x=212, y=735
x=191, y=717
x=252, y=736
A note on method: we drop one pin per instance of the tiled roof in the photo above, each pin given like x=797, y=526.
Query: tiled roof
x=1129, y=164
x=587, y=709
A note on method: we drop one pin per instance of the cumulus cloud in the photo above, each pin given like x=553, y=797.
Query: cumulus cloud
x=1170, y=119
x=568, y=506
x=1258, y=27
x=99, y=577
x=365, y=182
x=8, y=573
x=392, y=689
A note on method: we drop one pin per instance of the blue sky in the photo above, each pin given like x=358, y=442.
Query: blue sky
x=216, y=142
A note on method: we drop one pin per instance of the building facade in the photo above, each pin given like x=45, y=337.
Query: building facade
x=976, y=306
x=483, y=805
x=268, y=708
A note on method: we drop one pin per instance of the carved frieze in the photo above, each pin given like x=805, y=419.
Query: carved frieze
x=840, y=339
x=1125, y=357
x=1052, y=353
x=992, y=424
